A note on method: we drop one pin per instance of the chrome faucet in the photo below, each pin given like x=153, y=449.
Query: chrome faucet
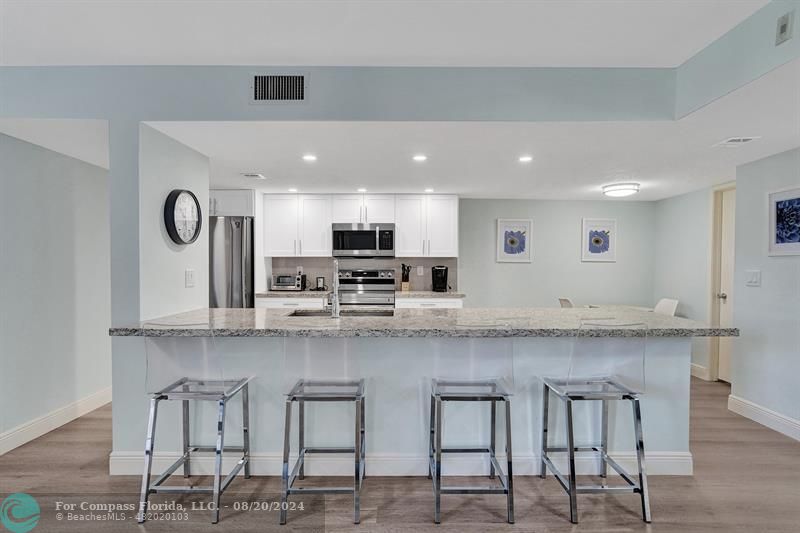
x=334, y=297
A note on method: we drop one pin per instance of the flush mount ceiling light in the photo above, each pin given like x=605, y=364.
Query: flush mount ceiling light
x=429, y=190
x=419, y=158
x=254, y=175
x=734, y=142
x=309, y=158
x=525, y=158
x=618, y=190
x=361, y=190
x=292, y=190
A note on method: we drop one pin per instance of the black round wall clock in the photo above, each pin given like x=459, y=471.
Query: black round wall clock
x=182, y=216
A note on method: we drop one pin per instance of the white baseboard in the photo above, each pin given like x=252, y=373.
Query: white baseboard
x=766, y=417
x=269, y=464
x=37, y=427
x=699, y=371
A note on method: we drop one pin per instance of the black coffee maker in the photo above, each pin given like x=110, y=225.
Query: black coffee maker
x=439, y=278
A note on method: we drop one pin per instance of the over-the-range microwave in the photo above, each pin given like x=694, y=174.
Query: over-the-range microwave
x=363, y=240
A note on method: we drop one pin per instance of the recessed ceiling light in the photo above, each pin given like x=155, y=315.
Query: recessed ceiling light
x=618, y=190
x=419, y=158
x=292, y=190
x=254, y=175
x=525, y=158
x=362, y=190
x=428, y=190
x=310, y=158
x=735, y=142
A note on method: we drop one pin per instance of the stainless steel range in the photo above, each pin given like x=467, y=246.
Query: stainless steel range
x=366, y=287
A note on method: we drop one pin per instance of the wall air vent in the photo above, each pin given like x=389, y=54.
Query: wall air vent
x=272, y=88
x=735, y=142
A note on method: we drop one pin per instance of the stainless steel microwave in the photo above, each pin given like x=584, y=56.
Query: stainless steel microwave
x=363, y=240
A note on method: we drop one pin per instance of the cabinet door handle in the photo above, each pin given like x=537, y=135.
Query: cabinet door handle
x=423, y=246
x=366, y=215
x=427, y=305
x=301, y=247
x=429, y=247
x=360, y=213
x=294, y=249
x=291, y=304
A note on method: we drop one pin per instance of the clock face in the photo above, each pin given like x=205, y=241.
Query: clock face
x=182, y=216
x=186, y=216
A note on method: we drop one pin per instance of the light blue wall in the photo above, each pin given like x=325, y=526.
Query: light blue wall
x=742, y=55
x=556, y=269
x=54, y=281
x=766, y=358
x=682, y=244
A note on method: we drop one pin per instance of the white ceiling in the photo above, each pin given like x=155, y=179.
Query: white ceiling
x=86, y=140
x=548, y=33
x=479, y=159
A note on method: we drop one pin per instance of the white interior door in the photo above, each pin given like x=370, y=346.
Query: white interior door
x=315, y=233
x=727, y=239
x=280, y=225
x=410, y=236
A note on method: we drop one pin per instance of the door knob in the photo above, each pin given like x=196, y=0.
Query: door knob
x=722, y=296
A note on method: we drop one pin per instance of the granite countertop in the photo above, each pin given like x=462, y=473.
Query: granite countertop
x=470, y=322
x=322, y=294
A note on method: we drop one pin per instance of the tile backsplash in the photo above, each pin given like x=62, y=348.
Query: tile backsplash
x=323, y=266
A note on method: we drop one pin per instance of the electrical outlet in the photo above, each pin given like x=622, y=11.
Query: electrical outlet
x=299, y=270
x=784, y=28
x=420, y=270
x=189, y=278
x=752, y=278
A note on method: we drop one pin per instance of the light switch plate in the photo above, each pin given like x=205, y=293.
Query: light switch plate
x=420, y=270
x=752, y=278
x=189, y=278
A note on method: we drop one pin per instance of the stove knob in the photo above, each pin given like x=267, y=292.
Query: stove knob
x=382, y=274
x=389, y=274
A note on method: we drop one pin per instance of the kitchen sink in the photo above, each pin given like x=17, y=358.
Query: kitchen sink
x=344, y=312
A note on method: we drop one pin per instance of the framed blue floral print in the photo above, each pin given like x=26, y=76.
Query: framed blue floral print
x=599, y=241
x=514, y=240
x=784, y=222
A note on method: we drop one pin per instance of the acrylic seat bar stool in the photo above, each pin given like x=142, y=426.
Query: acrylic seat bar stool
x=603, y=378
x=206, y=384
x=481, y=390
x=319, y=390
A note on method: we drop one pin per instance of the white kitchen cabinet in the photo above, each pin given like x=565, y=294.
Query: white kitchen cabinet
x=410, y=234
x=363, y=208
x=314, y=226
x=429, y=303
x=426, y=226
x=442, y=226
x=280, y=225
x=231, y=203
x=291, y=303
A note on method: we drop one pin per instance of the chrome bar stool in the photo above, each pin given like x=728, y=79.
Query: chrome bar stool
x=603, y=385
x=312, y=390
x=491, y=391
x=186, y=390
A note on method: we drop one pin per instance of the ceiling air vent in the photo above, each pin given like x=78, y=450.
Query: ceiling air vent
x=267, y=88
x=734, y=142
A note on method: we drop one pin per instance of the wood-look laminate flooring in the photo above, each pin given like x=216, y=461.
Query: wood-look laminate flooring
x=747, y=479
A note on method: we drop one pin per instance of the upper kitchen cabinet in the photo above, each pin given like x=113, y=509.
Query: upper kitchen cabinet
x=280, y=225
x=297, y=225
x=231, y=203
x=426, y=226
x=314, y=226
x=363, y=208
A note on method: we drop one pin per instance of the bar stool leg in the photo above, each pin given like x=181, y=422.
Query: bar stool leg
x=645, y=495
x=545, y=413
x=148, y=459
x=509, y=474
x=493, y=438
x=246, y=429
x=363, y=440
x=357, y=476
x=301, y=423
x=437, y=483
x=285, y=471
x=573, y=482
x=430, y=440
x=186, y=470
x=604, y=441
x=218, y=458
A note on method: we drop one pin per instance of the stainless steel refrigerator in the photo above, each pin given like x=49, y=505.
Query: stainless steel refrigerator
x=231, y=262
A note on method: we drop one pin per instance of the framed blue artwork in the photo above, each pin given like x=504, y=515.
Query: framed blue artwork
x=514, y=240
x=784, y=222
x=599, y=241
